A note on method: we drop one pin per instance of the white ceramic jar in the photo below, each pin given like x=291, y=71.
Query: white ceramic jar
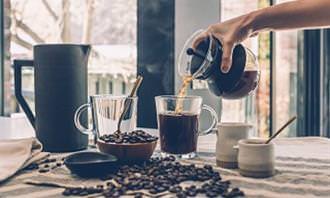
x=228, y=135
x=255, y=158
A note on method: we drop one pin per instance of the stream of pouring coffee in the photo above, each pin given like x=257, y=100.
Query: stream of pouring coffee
x=183, y=92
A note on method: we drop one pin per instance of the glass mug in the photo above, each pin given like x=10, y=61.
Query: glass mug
x=178, y=123
x=106, y=111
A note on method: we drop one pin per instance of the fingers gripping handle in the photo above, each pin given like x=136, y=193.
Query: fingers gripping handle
x=77, y=123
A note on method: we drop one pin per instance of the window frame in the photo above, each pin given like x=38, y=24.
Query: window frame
x=110, y=87
x=2, y=59
x=97, y=87
x=325, y=102
x=309, y=85
x=123, y=88
x=155, y=56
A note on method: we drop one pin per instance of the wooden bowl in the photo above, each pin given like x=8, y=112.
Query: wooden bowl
x=128, y=152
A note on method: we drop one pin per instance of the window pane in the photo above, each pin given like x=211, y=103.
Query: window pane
x=109, y=25
x=286, y=79
x=255, y=108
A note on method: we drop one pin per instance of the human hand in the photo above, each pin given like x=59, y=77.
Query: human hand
x=229, y=33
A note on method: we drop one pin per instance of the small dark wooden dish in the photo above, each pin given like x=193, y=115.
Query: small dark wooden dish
x=91, y=164
x=128, y=153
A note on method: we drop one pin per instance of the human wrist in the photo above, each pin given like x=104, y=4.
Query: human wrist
x=251, y=22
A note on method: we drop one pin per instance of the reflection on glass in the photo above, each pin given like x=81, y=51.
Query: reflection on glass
x=109, y=25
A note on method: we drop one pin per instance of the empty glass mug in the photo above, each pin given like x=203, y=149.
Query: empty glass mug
x=178, y=123
x=106, y=111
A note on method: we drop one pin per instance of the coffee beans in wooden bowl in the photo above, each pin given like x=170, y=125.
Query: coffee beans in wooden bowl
x=128, y=147
x=133, y=137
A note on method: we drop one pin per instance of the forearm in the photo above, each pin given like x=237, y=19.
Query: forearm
x=290, y=15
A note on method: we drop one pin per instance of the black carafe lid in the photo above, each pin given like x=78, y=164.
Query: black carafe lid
x=208, y=55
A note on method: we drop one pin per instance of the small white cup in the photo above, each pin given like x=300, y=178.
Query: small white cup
x=255, y=158
x=228, y=135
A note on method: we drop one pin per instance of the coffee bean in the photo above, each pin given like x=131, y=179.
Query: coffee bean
x=181, y=195
x=119, y=140
x=148, y=186
x=166, y=185
x=171, y=158
x=153, y=191
x=100, y=186
x=175, y=189
x=235, y=192
x=43, y=170
x=191, y=193
x=83, y=193
x=66, y=192
x=211, y=194
x=51, y=160
x=138, y=195
x=200, y=190
x=160, y=189
x=116, y=194
x=90, y=190
x=32, y=166
x=208, y=167
x=226, y=182
x=206, y=186
x=76, y=191
x=109, y=184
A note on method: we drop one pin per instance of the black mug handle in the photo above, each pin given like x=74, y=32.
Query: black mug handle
x=18, y=64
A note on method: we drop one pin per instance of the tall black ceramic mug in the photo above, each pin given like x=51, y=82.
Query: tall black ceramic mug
x=60, y=88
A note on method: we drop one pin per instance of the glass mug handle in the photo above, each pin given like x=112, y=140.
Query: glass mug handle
x=214, y=121
x=77, y=114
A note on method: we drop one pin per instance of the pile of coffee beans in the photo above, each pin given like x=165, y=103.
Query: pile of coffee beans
x=137, y=136
x=100, y=191
x=82, y=191
x=45, y=165
x=161, y=176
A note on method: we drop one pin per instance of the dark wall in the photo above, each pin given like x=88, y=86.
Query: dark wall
x=155, y=49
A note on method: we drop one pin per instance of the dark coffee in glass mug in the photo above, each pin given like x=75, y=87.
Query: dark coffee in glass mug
x=178, y=124
x=184, y=140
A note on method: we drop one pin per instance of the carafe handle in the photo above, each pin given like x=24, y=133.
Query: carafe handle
x=18, y=64
x=214, y=120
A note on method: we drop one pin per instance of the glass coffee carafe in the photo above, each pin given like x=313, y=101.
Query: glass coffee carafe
x=203, y=62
